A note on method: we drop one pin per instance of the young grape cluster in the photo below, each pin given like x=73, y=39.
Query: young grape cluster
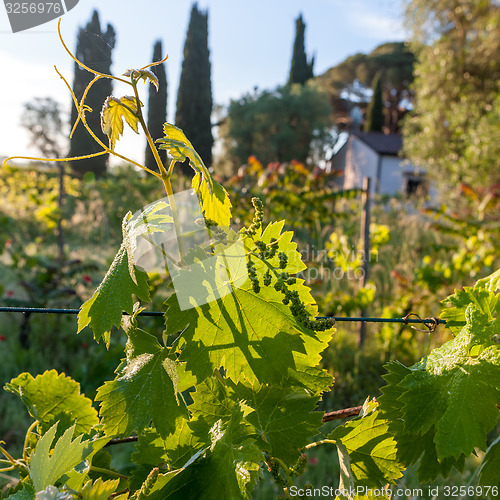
x=291, y=298
x=265, y=252
x=257, y=219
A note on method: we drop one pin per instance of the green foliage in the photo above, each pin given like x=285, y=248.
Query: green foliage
x=353, y=77
x=194, y=98
x=447, y=402
x=301, y=69
x=104, y=309
x=371, y=449
x=157, y=106
x=234, y=386
x=145, y=389
x=52, y=397
x=94, y=47
x=289, y=123
x=46, y=468
x=488, y=474
x=454, y=125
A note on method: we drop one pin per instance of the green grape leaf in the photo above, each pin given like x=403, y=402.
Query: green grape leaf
x=179, y=148
x=372, y=450
x=348, y=486
x=231, y=458
x=451, y=395
x=484, y=300
x=79, y=476
x=213, y=400
x=113, y=112
x=306, y=371
x=488, y=473
x=45, y=467
x=456, y=393
x=411, y=447
x=283, y=418
x=143, y=74
x=490, y=283
x=145, y=389
x=253, y=336
x=175, y=450
x=51, y=396
x=214, y=199
x=113, y=296
x=25, y=493
x=284, y=244
x=99, y=489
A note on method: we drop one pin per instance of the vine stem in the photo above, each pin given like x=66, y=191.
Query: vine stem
x=130, y=439
x=28, y=432
x=164, y=175
x=317, y=443
x=108, y=472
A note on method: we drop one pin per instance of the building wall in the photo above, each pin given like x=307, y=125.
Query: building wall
x=361, y=161
x=392, y=175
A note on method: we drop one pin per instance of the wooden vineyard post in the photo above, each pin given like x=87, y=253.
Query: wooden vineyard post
x=365, y=238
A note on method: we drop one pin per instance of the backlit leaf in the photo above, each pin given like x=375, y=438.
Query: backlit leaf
x=114, y=111
x=45, y=467
x=51, y=396
x=113, y=296
x=145, y=390
x=372, y=450
x=253, y=336
x=283, y=418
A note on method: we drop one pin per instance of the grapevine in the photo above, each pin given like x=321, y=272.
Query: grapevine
x=230, y=391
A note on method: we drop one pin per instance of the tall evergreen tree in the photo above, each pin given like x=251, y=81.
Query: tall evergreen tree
x=375, y=113
x=194, y=98
x=93, y=48
x=157, y=107
x=301, y=70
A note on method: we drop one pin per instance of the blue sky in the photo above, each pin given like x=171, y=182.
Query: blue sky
x=250, y=44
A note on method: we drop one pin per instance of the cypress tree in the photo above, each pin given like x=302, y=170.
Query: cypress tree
x=375, y=112
x=301, y=70
x=157, y=107
x=94, y=50
x=194, y=98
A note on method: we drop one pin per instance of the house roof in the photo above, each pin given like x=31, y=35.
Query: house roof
x=383, y=144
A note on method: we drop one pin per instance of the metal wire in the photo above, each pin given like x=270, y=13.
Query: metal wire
x=427, y=321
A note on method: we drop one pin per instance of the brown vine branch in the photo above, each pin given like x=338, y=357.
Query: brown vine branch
x=344, y=413
x=130, y=439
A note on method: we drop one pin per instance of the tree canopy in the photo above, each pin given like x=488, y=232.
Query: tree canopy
x=455, y=127
x=281, y=125
x=349, y=83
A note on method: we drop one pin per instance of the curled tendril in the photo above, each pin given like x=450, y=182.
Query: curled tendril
x=82, y=108
x=155, y=63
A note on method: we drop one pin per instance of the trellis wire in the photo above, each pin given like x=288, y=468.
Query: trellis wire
x=405, y=320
